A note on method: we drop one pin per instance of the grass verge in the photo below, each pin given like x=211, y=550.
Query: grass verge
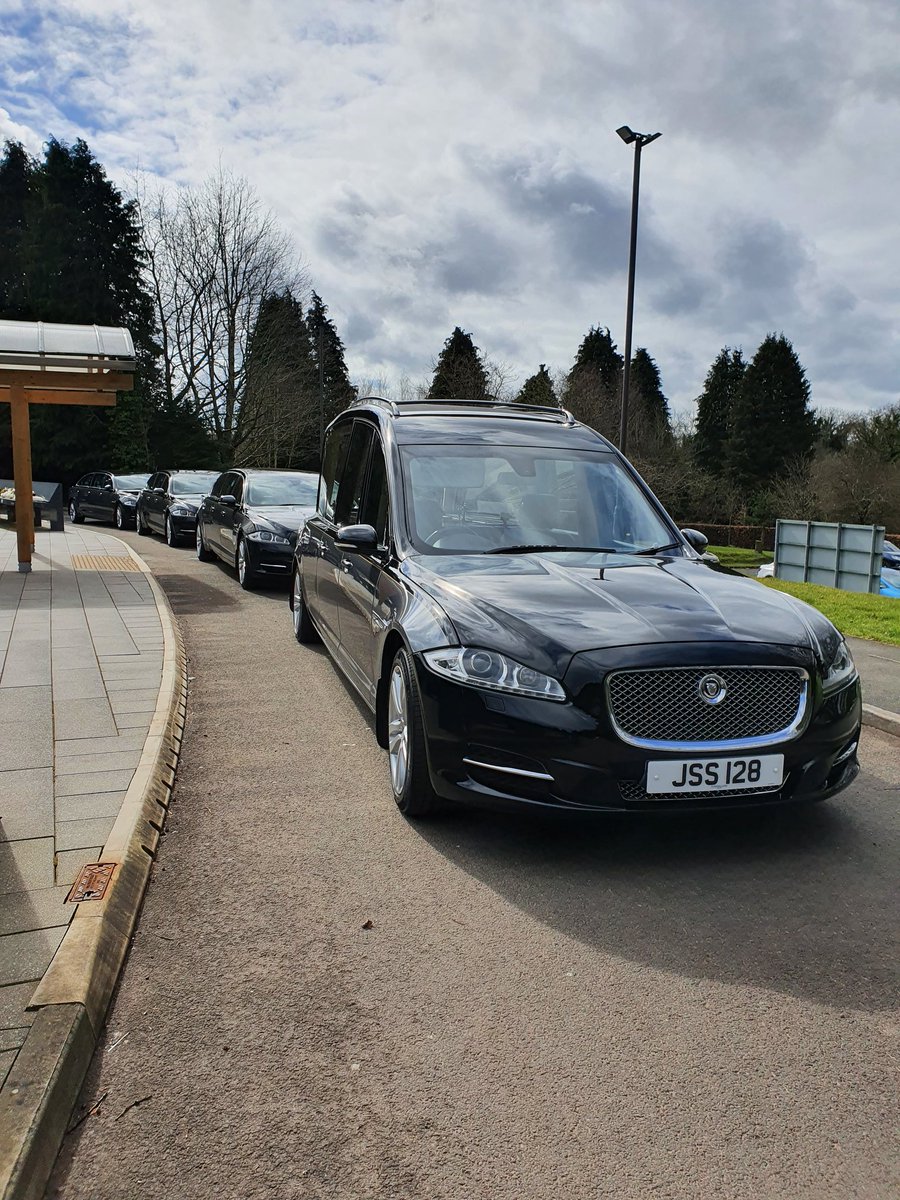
x=737, y=556
x=855, y=614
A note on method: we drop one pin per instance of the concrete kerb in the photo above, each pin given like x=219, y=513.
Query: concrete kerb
x=881, y=718
x=40, y=1092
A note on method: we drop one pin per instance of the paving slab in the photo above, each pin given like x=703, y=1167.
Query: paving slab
x=76, y=835
x=26, y=804
x=40, y=909
x=26, y=865
x=70, y=862
x=26, y=956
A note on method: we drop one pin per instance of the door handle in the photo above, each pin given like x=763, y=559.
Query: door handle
x=346, y=565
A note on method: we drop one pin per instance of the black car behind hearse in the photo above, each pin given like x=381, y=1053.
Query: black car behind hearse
x=250, y=521
x=105, y=496
x=169, y=503
x=529, y=627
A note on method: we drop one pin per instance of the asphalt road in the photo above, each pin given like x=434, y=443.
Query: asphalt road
x=324, y=1001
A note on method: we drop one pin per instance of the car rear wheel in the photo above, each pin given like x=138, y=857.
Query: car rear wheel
x=172, y=538
x=304, y=630
x=203, y=553
x=245, y=573
x=410, y=781
x=75, y=516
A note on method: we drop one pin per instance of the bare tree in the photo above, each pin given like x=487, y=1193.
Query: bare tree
x=214, y=254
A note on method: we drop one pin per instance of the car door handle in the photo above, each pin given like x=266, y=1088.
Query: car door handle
x=346, y=565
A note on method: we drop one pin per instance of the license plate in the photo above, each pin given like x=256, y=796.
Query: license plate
x=715, y=774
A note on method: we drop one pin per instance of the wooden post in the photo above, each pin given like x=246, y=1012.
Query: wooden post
x=21, y=448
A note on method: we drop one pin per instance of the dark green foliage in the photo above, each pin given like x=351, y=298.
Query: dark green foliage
x=593, y=386
x=459, y=373
x=325, y=342
x=649, y=425
x=879, y=434
x=281, y=406
x=772, y=427
x=538, y=389
x=714, y=410
x=71, y=253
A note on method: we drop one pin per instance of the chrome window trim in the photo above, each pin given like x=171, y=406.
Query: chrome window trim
x=755, y=743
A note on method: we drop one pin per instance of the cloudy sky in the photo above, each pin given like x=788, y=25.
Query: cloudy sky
x=456, y=163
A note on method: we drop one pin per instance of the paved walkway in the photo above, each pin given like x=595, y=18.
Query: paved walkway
x=81, y=651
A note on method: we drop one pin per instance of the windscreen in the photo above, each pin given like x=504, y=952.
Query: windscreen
x=131, y=483
x=290, y=488
x=483, y=499
x=193, y=483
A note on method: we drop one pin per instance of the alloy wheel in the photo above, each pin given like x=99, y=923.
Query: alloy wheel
x=170, y=540
x=398, y=730
x=242, y=562
x=73, y=511
x=198, y=541
x=297, y=606
x=120, y=517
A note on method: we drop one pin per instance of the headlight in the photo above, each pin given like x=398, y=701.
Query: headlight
x=263, y=535
x=181, y=510
x=841, y=670
x=488, y=669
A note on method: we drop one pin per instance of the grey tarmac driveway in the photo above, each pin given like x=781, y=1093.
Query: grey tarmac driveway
x=541, y=1008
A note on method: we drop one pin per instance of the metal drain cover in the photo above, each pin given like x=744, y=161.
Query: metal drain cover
x=91, y=882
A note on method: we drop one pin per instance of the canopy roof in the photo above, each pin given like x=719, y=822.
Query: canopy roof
x=37, y=345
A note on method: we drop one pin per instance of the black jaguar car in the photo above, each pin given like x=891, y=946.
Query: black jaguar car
x=530, y=627
x=169, y=503
x=104, y=496
x=250, y=520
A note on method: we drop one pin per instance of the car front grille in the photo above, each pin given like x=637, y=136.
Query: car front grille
x=664, y=708
x=631, y=789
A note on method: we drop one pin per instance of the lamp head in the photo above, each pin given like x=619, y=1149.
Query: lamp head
x=627, y=135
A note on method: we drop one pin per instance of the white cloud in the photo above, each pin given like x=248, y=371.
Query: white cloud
x=443, y=165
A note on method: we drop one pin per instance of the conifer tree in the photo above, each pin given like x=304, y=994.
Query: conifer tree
x=649, y=424
x=459, y=372
x=715, y=406
x=16, y=171
x=773, y=427
x=593, y=386
x=538, y=389
x=337, y=388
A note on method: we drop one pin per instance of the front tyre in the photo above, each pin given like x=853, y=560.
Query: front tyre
x=245, y=573
x=204, y=554
x=304, y=630
x=75, y=516
x=172, y=538
x=142, y=527
x=410, y=781
x=119, y=517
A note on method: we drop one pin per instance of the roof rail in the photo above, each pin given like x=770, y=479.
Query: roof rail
x=389, y=404
x=545, y=411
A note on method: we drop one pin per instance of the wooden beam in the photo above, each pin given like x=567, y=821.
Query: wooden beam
x=21, y=452
x=109, y=381
x=100, y=399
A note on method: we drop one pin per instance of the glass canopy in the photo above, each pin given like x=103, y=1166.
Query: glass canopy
x=37, y=345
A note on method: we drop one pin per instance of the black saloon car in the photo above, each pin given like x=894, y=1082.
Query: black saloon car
x=104, y=496
x=250, y=520
x=529, y=626
x=169, y=503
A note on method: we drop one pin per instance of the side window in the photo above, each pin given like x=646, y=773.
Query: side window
x=105, y=481
x=163, y=481
x=216, y=489
x=237, y=487
x=227, y=485
x=375, y=506
x=333, y=460
x=353, y=477
x=152, y=482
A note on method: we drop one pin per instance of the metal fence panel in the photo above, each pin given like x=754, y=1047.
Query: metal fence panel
x=829, y=553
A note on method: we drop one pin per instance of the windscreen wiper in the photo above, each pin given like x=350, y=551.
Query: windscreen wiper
x=534, y=549
x=658, y=549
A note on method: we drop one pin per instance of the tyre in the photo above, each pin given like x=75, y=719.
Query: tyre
x=304, y=630
x=74, y=515
x=172, y=538
x=119, y=517
x=203, y=552
x=245, y=573
x=407, y=760
x=142, y=527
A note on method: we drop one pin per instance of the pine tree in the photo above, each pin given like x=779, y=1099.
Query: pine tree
x=715, y=406
x=593, y=386
x=649, y=424
x=337, y=388
x=538, y=389
x=773, y=427
x=459, y=372
x=16, y=171
x=281, y=404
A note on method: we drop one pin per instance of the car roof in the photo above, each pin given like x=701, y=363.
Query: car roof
x=452, y=420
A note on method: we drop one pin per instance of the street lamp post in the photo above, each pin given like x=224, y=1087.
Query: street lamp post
x=640, y=140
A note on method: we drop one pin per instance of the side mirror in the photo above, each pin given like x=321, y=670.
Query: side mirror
x=230, y=501
x=158, y=491
x=356, y=539
x=695, y=539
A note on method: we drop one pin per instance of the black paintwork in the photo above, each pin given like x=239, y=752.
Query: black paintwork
x=158, y=499
x=573, y=616
x=222, y=525
x=98, y=495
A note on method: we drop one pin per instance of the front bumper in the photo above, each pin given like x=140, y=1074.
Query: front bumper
x=504, y=751
x=270, y=558
x=183, y=525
